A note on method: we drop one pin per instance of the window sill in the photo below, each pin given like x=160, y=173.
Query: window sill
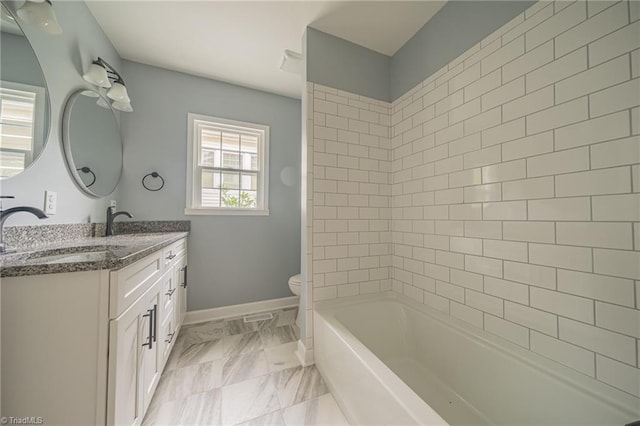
x=225, y=212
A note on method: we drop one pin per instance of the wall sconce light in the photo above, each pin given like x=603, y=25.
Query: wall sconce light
x=97, y=75
x=40, y=13
x=101, y=102
x=122, y=106
x=101, y=74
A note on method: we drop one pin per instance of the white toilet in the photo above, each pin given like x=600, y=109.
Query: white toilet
x=295, y=285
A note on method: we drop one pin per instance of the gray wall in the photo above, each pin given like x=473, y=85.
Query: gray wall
x=338, y=63
x=17, y=61
x=18, y=64
x=63, y=59
x=232, y=259
x=458, y=26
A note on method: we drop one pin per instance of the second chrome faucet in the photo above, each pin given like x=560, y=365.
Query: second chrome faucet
x=110, y=217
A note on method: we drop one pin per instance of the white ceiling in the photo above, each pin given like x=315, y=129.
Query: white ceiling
x=241, y=42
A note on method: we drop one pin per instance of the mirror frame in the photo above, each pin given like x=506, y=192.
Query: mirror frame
x=66, y=143
x=46, y=134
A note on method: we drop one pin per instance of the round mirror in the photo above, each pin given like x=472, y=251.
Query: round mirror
x=92, y=143
x=24, y=100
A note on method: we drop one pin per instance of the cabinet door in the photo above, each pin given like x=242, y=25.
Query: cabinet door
x=151, y=359
x=168, y=286
x=126, y=335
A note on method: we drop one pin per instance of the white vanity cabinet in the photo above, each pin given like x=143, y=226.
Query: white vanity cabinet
x=89, y=347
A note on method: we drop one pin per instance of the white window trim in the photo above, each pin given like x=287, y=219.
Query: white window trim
x=39, y=138
x=193, y=177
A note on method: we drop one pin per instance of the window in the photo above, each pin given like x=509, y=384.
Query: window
x=21, y=121
x=227, y=167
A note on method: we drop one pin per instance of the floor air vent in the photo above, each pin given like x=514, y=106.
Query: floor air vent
x=257, y=317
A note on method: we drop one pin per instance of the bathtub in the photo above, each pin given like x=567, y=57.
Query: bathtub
x=389, y=360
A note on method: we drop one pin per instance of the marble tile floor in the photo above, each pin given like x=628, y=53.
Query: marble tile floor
x=228, y=372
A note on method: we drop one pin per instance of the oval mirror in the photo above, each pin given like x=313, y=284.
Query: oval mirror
x=24, y=100
x=92, y=143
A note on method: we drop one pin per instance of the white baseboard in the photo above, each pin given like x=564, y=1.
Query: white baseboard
x=304, y=355
x=239, y=310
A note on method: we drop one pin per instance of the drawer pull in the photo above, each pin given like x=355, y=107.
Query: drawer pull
x=155, y=322
x=184, y=284
x=170, y=292
x=170, y=339
x=171, y=256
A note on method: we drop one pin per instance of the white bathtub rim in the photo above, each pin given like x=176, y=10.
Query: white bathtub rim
x=619, y=399
x=404, y=395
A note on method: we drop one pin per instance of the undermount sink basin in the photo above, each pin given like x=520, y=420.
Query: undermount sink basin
x=89, y=256
x=66, y=255
x=140, y=234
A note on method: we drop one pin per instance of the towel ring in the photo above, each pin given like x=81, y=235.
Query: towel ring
x=153, y=175
x=86, y=169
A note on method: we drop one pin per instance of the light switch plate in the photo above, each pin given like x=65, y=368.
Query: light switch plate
x=50, y=202
x=112, y=204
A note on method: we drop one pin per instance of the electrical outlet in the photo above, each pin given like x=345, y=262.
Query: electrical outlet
x=112, y=204
x=50, y=202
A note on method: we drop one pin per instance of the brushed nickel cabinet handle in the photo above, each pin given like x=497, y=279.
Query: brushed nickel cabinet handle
x=184, y=284
x=150, y=338
x=155, y=321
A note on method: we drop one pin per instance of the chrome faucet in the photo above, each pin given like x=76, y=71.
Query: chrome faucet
x=110, y=217
x=4, y=215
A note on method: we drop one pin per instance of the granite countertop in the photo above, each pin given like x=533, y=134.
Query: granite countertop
x=85, y=253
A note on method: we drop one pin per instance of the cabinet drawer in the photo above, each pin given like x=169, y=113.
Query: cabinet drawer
x=168, y=293
x=167, y=334
x=173, y=252
x=129, y=283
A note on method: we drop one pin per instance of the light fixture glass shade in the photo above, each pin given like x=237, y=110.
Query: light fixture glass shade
x=97, y=75
x=90, y=94
x=122, y=106
x=101, y=102
x=118, y=93
x=40, y=14
x=6, y=16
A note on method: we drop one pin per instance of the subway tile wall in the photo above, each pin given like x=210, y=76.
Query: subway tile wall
x=351, y=194
x=515, y=195
x=348, y=210
x=504, y=190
